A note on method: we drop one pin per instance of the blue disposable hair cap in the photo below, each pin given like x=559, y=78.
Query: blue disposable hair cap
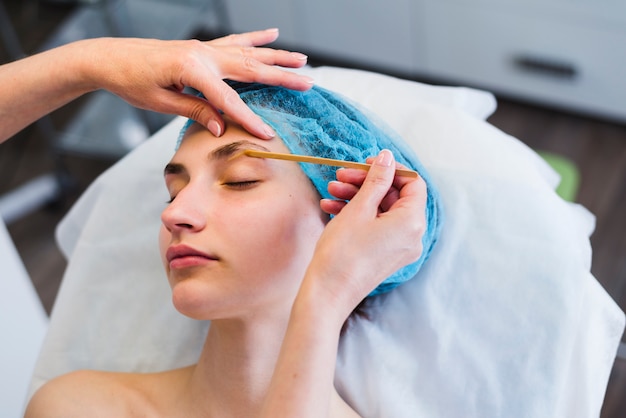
x=321, y=123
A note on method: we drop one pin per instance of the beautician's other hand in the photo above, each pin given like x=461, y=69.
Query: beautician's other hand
x=377, y=232
x=151, y=74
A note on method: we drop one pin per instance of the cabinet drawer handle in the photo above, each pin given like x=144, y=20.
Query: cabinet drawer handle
x=547, y=67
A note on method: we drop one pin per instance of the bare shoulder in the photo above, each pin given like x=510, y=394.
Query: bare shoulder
x=94, y=394
x=82, y=393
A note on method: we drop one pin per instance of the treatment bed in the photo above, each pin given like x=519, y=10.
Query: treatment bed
x=504, y=320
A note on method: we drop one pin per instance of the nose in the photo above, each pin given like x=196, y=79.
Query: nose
x=184, y=213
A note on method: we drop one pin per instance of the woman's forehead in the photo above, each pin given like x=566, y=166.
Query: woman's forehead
x=233, y=134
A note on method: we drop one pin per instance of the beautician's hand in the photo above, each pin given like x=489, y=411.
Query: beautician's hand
x=150, y=74
x=377, y=232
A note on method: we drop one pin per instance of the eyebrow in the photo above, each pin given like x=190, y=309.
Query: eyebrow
x=221, y=153
x=228, y=150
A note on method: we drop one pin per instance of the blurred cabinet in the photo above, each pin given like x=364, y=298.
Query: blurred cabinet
x=564, y=53
x=362, y=31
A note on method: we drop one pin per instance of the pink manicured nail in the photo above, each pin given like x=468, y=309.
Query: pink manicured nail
x=300, y=56
x=269, y=131
x=214, y=128
x=385, y=158
x=308, y=79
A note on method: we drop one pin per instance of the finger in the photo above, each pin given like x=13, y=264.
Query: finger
x=398, y=181
x=377, y=183
x=393, y=194
x=332, y=207
x=221, y=96
x=353, y=176
x=245, y=45
x=412, y=197
x=244, y=66
x=343, y=191
x=206, y=114
x=255, y=38
x=410, y=211
x=190, y=106
x=271, y=56
x=390, y=198
x=357, y=176
x=346, y=192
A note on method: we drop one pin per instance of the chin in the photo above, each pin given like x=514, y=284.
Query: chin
x=192, y=298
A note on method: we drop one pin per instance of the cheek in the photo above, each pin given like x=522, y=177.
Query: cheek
x=281, y=236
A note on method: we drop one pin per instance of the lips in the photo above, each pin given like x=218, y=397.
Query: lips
x=179, y=256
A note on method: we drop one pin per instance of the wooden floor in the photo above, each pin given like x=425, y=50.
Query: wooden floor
x=597, y=147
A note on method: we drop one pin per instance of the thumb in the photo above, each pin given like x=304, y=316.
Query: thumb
x=378, y=181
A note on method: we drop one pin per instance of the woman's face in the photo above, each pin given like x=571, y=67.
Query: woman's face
x=239, y=232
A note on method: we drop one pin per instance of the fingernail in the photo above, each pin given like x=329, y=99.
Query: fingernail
x=385, y=158
x=308, y=79
x=214, y=128
x=272, y=30
x=269, y=131
x=299, y=56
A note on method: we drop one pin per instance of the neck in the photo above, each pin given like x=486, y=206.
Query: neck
x=236, y=366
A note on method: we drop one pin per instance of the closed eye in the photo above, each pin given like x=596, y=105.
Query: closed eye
x=241, y=184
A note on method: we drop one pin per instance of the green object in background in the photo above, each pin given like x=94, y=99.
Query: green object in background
x=570, y=176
